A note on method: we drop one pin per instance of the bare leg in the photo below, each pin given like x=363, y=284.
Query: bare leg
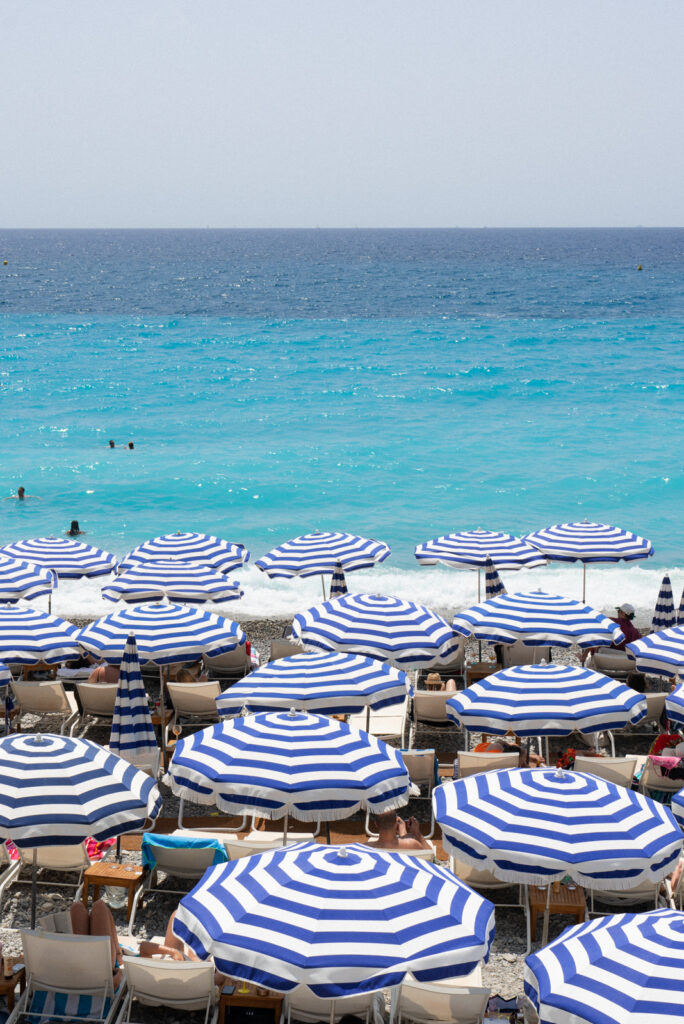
x=450, y=685
x=102, y=923
x=80, y=922
x=172, y=941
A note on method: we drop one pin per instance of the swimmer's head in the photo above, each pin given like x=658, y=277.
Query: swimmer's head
x=112, y=445
x=21, y=491
x=131, y=445
x=74, y=528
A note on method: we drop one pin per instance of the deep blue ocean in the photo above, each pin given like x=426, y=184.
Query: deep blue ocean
x=399, y=384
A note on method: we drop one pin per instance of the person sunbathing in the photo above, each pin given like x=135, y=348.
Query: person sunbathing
x=526, y=759
x=173, y=948
x=395, y=833
x=104, y=673
x=98, y=922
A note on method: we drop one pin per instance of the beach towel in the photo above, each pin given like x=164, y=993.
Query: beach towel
x=46, y=1006
x=149, y=842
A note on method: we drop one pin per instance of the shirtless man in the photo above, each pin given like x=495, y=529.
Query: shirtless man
x=395, y=833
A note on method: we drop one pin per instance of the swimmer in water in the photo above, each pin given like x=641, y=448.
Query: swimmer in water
x=74, y=530
x=21, y=495
x=112, y=445
x=131, y=445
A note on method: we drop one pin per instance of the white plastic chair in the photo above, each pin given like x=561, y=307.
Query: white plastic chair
x=186, y=863
x=519, y=653
x=72, y=859
x=178, y=986
x=455, y=1000
x=387, y=723
x=471, y=763
x=485, y=882
x=233, y=665
x=429, y=709
x=71, y=966
x=97, y=701
x=45, y=698
x=302, y=1005
x=619, y=770
x=611, y=662
x=257, y=842
x=193, y=703
x=283, y=649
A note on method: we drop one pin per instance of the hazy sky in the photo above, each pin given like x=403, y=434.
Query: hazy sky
x=341, y=113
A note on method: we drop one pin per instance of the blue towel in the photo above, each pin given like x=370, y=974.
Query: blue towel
x=149, y=841
x=46, y=1006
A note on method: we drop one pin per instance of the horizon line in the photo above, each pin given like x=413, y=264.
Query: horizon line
x=483, y=227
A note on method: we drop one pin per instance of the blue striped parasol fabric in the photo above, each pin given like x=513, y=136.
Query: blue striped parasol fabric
x=58, y=790
x=680, y=613
x=664, y=614
x=333, y=684
x=403, y=633
x=535, y=825
x=132, y=730
x=312, y=767
x=165, y=634
x=546, y=700
x=589, y=542
x=6, y=694
x=202, y=548
x=185, y=582
x=68, y=559
x=470, y=549
x=23, y=581
x=493, y=584
x=28, y=636
x=674, y=705
x=660, y=653
x=316, y=553
x=677, y=807
x=617, y=969
x=339, y=919
x=538, y=620
x=338, y=584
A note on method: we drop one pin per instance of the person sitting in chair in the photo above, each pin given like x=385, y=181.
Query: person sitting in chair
x=395, y=833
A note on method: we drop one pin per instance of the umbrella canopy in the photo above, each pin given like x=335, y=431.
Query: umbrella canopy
x=189, y=547
x=664, y=614
x=28, y=636
x=24, y=581
x=674, y=705
x=165, y=634
x=313, y=767
x=546, y=700
x=338, y=584
x=69, y=559
x=618, y=969
x=186, y=582
x=132, y=730
x=401, y=632
x=535, y=825
x=58, y=790
x=334, y=684
x=317, y=553
x=538, y=620
x=660, y=653
x=470, y=549
x=493, y=584
x=678, y=808
x=341, y=920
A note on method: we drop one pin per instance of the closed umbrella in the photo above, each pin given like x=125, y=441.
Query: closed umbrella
x=617, y=969
x=660, y=653
x=333, y=684
x=338, y=584
x=589, y=542
x=403, y=633
x=312, y=767
x=538, y=620
x=493, y=584
x=340, y=919
x=664, y=615
x=58, y=790
x=319, y=553
x=28, y=636
x=185, y=582
x=23, y=581
x=680, y=613
x=132, y=731
x=202, y=548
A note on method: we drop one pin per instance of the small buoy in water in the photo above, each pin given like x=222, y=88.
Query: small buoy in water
x=640, y=267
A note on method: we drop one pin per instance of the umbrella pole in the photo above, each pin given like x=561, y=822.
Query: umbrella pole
x=584, y=582
x=479, y=642
x=118, y=848
x=332, y=1011
x=287, y=820
x=323, y=585
x=545, y=932
x=162, y=715
x=34, y=887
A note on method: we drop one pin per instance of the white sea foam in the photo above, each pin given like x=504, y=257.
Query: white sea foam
x=442, y=589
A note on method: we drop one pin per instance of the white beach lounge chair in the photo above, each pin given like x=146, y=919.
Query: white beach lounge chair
x=9, y=869
x=185, y=863
x=471, y=763
x=68, y=978
x=429, y=710
x=455, y=1000
x=97, y=702
x=194, y=704
x=60, y=860
x=302, y=1005
x=168, y=983
x=611, y=662
x=519, y=654
x=45, y=698
x=388, y=724
x=284, y=649
x=233, y=665
x=486, y=883
x=619, y=770
x=622, y=899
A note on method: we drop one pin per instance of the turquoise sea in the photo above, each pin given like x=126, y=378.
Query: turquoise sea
x=399, y=384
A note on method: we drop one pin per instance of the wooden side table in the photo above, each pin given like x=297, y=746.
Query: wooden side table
x=251, y=997
x=567, y=900
x=480, y=670
x=126, y=876
x=8, y=983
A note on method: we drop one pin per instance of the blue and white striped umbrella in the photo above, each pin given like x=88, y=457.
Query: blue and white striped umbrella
x=186, y=582
x=617, y=969
x=6, y=694
x=680, y=613
x=28, y=636
x=546, y=700
x=660, y=653
x=132, y=730
x=189, y=547
x=677, y=808
x=69, y=559
x=538, y=620
x=317, y=553
x=338, y=584
x=24, y=581
x=165, y=634
x=309, y=766
x=332, y=684
x=664, y=615
x=674, y=705
x=470, y=549
x=58, y=790
x=493, y=584
x=535, y=825
x=405, y=634
x=339, y=919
